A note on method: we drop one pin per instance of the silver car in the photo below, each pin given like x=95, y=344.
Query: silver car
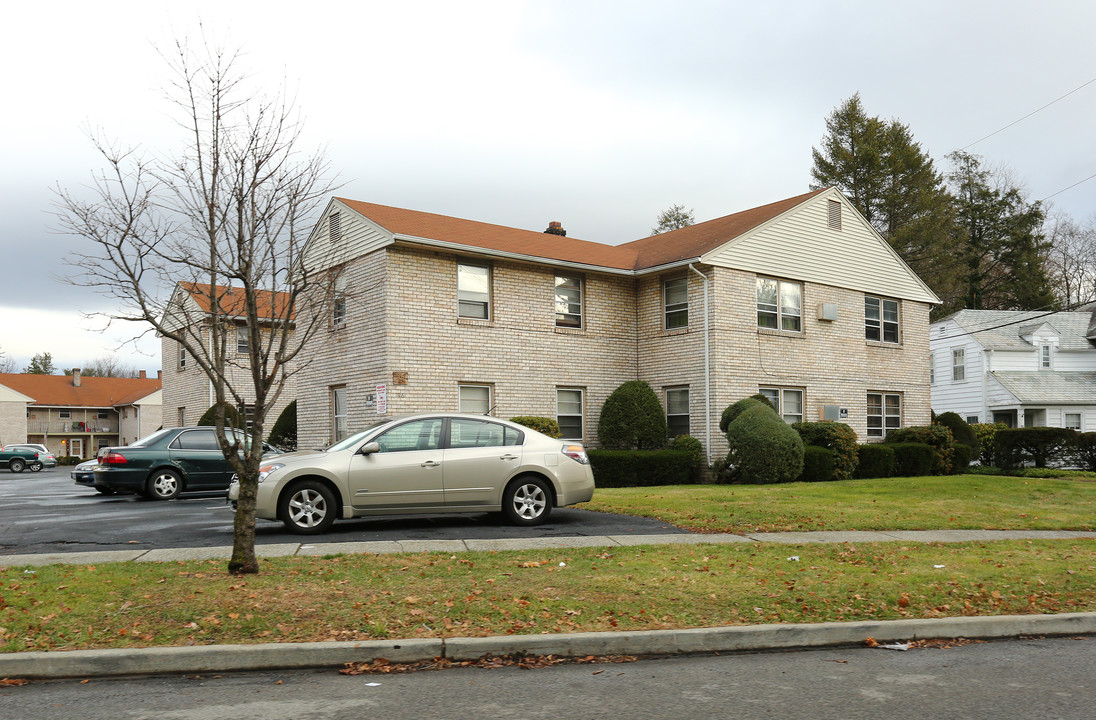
x=425, y=464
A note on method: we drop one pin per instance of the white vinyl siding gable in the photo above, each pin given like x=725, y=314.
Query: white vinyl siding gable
x=357, y=236
x=800, y=244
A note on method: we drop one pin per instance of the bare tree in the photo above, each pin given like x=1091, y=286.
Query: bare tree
x=674, y=217
x=225, y=218
x=1071, y=259
x=107, y=366
x=7, y=364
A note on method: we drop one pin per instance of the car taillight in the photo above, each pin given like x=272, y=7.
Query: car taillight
x=113, y=459
x=576, y=453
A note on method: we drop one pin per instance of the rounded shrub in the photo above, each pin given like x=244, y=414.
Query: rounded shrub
x=961, y=457
x=913, y=459
x=695, y=448
x=545, y=425
x=233, y=417
x=735, y=409
x=284, y=433
x=632, y=419
x=764, y=449
x=818, y=464
x=875, y=460
x=838, y=437
x=961, y=431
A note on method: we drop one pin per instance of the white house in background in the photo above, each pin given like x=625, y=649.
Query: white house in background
x=1022, y=368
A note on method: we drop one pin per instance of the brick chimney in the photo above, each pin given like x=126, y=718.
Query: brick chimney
x=159, y=374
x=76, y=377
x=141, y=375
x=556, y=228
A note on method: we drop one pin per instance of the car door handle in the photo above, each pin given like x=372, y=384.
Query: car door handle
x=508, y=456
x=430, y=463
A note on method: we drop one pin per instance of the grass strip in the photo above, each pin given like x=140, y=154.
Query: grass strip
x=362, y=597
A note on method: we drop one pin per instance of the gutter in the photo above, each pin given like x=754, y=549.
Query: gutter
x=707, y=370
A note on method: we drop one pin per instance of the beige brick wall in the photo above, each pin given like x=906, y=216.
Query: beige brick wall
x=13, y=422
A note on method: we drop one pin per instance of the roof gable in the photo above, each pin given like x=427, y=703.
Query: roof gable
x=94, y=392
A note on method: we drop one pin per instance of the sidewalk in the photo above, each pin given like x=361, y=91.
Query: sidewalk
x=229, y=658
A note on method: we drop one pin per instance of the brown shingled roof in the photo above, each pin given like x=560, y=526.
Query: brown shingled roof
x=650, y=252
x=58, y=390
x=232, y=299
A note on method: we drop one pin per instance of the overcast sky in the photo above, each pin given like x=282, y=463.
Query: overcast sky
x=596, y=114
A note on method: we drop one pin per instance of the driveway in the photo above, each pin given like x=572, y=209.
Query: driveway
x=46, y=512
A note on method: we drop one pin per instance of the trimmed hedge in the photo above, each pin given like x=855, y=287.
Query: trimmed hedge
x=641, y=468
x=732, y=411
x=1040, y=445
x=632, y=418
x=1085, y=450
x=913, y=459
x=546, y=425
x=233, y=418
x=936, y=436
x=961, y=457
x=284, y=433
x=876, y=460
x=838, y=437
x=818, y=464
x=764, y=448
x=694, y=447
x=961, y=432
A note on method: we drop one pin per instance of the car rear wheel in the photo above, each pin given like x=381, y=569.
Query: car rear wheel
x=527, y=501
x=307, y=508
x=35, y=467
x=16, y=465
x=164, y=485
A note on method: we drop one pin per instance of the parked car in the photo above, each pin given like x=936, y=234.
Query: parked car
x=45, y=457
x=33, y=446
x=164, y=464
x=425, y=464
x=84, y=474
x=18, y=459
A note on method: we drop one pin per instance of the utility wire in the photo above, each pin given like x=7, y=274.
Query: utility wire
x=1006, y=127
x=1069, y=308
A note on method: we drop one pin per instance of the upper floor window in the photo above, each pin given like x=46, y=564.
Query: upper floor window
x=787, y=401
x=881, y=319
x=675, y=301
x=677, y=411
x=474, y=399
x=958, y=364
x=884, y=413
x=1044, y=357
x=473, y=291
x=182, y=358
x=779, y=304
x=569, y=412
x=338, y=301
x=243, y=341
x=568, y=299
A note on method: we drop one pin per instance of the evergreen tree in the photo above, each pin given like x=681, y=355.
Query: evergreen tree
x=41, y=364
x=673, y=218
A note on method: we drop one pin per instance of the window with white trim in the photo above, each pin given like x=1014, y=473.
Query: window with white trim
x=971, y=419
x=1044, y=357
x=568, y=301
x=779, y=304
x=787, y=401
x=569, y=412
x=338, y=301
x=243, y=341
x=475, y=399
x=884, y=413
x=675, y=301
x=677, y=411
x=880, y=319
x=182, y=357
x=338, y=413
x=473, y=291
x=1072, y=420
x=958, y=364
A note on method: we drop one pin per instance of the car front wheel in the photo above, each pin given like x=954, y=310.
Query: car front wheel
x=307, y=508
x=164, y=485
x=527, y=501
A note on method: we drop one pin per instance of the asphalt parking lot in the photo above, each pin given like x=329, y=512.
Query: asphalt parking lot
x=46, y=512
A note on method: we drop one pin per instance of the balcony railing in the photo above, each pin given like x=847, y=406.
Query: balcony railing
x=70, y=427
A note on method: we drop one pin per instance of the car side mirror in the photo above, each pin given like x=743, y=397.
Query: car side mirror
x=369, y=448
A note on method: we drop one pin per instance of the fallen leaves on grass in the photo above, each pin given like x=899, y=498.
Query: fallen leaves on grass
x=381, y=666
x=13, y=682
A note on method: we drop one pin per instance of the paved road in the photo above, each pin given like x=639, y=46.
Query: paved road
x=1028, y=679
x=46, y=512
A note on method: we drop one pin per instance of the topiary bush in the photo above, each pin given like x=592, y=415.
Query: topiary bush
x=875, y=460
x=961, y=457
x=1039, y=445
x=546, y=425
x=764, y=449
x=284, y=433
x=912, y=459
x=735, y=409
x=640, y=468
x=233, y=418
x=986, y=434
x=694, y=447
x=632, y=419
x=838, y=437
x=936, y=436
x=961, y=431
x=818, y=464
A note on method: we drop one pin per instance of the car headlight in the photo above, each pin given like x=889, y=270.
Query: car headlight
x=266, y=470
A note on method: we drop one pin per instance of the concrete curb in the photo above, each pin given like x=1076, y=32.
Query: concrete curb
x=274, y=656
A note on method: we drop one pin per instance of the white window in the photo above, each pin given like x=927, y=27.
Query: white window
x=474, y=399
x=881, y=319
x=473, y=291
x=884, y=413
x=787, y=401
x=1072, y=420
x=243, y=342
x=958, y=365
x=1044, y=357
x=677, y=411
x=675, y=300
x=569, y=412
x=568, y=300
x=971, y=419
x=779, y=304
x=932, y=368
x=338, y=413
x=338, y=301
x=182, y=358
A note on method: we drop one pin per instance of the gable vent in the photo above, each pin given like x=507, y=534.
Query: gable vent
x=835, y=215
x=334, y=226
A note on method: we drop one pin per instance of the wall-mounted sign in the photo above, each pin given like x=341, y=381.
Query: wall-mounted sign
x=844, y=413
x=382, y=399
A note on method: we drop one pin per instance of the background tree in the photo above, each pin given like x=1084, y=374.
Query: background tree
x=894, y=184
x=7, y=364
x=999, y=240
x=231, y=209
x=1071, y=260
x=106, y=366
x=41, y=364
x=673, y=218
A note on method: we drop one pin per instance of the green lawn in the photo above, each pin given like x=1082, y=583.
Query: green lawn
x=949, y=502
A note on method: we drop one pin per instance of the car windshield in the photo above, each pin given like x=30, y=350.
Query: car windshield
x=152, y=439
x=356, y=439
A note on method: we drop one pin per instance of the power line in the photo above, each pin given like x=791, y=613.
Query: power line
x=1006, y=127
x=1048, y=197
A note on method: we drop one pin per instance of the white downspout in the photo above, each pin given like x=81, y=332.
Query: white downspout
x=707, y=370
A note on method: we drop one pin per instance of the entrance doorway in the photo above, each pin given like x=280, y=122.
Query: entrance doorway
x=76, y=447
